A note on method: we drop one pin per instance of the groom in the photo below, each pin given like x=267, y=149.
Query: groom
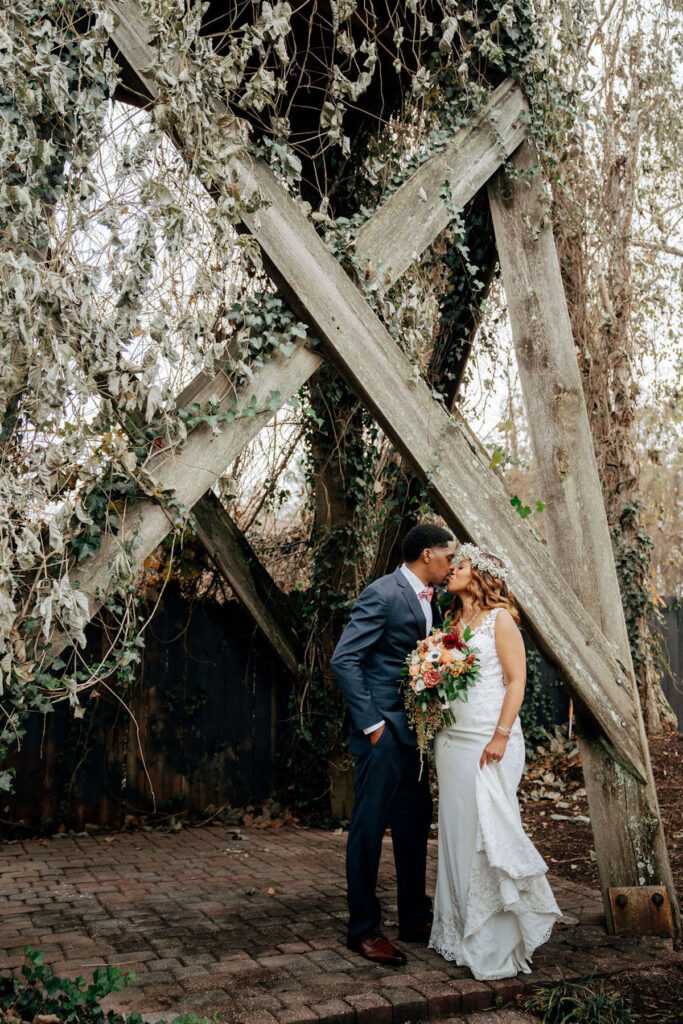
x=387, y=620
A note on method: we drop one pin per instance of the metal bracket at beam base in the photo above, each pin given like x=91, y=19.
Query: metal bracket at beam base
x=642, y=910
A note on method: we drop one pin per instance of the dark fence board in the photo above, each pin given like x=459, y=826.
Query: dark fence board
x=210, y=704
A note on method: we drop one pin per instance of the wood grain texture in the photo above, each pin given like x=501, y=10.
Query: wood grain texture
x=188, y=473
x=625, y=814
x=254, y=586
x=230, y=549
x=412, y=217
x=576, y=525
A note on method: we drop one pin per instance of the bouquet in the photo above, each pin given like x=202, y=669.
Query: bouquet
x=440, y=670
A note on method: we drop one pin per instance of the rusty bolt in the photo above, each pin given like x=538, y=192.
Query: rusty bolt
x=621, y=900
x=657, y=899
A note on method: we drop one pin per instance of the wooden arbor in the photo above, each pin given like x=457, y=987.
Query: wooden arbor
x=579, y=625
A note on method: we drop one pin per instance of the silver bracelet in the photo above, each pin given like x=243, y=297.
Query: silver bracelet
x=508, y=732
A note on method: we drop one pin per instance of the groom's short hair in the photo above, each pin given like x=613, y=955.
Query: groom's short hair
x=425, y=535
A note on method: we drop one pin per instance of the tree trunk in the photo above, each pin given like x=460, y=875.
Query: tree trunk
x=337, y=461
x=599, y=289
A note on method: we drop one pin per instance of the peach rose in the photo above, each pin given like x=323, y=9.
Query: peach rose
x=414, y=670
x=431, y=677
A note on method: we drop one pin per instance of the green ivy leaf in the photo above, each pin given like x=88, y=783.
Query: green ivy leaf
x=523, y=510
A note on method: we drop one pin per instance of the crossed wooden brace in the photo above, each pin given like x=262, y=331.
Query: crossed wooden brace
x=438, y=445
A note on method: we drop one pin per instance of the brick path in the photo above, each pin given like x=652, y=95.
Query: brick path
x=250, y=923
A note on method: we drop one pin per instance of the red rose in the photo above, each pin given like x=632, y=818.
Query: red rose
x=431, y=677
x=451, y=640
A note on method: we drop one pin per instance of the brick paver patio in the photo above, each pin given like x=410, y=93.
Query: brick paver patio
x=250, y=923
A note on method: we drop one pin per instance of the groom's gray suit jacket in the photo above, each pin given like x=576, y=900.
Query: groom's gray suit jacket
x=386, y=622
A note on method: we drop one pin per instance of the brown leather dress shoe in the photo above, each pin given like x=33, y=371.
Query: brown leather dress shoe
x=415, y=932
x=378, y=949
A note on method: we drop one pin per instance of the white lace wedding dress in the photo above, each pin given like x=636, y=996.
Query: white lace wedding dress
x=493, y=904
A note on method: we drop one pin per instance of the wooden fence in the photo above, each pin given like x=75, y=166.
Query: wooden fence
x=201, y=728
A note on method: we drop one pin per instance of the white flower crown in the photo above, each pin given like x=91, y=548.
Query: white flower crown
x=479, y=560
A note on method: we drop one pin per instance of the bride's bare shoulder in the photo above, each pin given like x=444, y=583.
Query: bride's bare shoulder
x=504, y=622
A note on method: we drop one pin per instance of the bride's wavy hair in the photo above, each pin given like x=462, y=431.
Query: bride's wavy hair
x=487, y=591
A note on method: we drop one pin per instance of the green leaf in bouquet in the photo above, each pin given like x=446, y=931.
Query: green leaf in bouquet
x=467, y=634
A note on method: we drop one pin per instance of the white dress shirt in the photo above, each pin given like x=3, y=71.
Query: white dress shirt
x=417, y=586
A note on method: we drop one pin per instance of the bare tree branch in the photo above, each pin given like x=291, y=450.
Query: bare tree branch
x=657, y=246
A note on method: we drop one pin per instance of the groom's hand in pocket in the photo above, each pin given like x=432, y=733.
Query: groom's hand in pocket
x=374, y=736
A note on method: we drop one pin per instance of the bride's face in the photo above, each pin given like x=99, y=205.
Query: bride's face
x=460, y=577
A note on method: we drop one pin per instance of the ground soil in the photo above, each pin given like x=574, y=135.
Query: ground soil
x=567, y=845
x=655, y=994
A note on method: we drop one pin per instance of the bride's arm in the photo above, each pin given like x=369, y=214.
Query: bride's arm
x=510, y=649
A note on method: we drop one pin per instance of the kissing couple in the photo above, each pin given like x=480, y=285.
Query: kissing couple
x=493, y=905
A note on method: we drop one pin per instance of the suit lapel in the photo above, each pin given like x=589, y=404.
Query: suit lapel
x=413, y=603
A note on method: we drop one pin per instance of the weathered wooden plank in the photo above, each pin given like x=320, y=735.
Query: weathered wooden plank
x=189, y=472
x=439, y=446
x=412, y=217
x=258, y=592
x=576, y=525
x=624, y=814
x=230, y=549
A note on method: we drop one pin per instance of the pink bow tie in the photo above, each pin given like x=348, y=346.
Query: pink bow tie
x=427, y=593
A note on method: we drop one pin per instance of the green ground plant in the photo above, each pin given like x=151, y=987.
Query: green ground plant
x=38, y=993
x=576, y=1002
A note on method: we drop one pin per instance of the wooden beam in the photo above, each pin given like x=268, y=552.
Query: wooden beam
x=254, y=586
x=188, y=473
x=440, y=447
x=229, y=548
x=624, y=814
x=412, y=217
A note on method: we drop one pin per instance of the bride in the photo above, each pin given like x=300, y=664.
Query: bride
x=493, y=904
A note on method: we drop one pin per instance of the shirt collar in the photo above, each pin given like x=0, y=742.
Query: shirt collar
x=415, y=582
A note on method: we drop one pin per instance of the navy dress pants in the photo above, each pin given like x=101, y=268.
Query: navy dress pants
x=388, y=791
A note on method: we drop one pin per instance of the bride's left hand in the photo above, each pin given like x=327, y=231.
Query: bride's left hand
x=494, y=749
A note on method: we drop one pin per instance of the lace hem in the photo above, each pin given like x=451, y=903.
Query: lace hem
x=492, y=891
x=447, y=944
